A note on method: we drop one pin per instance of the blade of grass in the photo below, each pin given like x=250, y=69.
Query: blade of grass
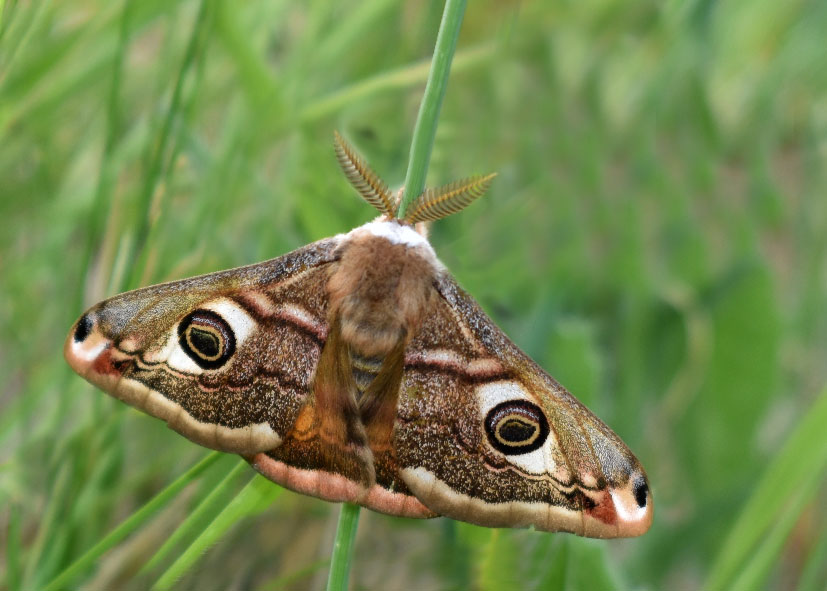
x=762, y=559
x=815, y=569
x=426, y=122
x=134, y=521
x=798, y=467
x=37, y=16
x=48, y=524
x=253, y=498
x=149, y=206
x=13, y=545
x=197, y=518
x=106, y=173
x=32, y=99
x=342, y=555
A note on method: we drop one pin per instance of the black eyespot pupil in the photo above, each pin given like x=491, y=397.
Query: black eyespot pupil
x=641, y=492
x=516, y=431
x=516, y=427
x=83, y=328
x=204, y=342
x=206, y=338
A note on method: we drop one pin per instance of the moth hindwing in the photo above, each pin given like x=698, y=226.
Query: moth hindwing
x=355, y=369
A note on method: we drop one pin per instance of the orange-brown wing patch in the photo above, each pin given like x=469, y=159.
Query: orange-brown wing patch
x=328, y=435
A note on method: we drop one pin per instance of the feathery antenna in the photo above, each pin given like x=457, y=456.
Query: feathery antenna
x=364, y=180
x=434, y=204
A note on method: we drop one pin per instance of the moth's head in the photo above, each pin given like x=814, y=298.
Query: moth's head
x=421, y=228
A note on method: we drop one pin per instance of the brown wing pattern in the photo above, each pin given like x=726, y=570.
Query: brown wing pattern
x=269, y=317
x=461, y=371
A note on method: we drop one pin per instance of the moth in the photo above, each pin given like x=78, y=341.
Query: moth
x=355, y=369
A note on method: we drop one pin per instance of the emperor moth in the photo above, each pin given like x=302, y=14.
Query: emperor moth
x=355, y=369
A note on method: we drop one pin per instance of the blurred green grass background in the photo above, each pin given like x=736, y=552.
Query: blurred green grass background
x=656, y=240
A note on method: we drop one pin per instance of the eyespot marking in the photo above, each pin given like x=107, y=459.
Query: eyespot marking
x=641, y=492
x=83, y=328
x=206, y=338
x=516, y=427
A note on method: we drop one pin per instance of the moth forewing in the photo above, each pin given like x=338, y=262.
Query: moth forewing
x=131, y=346
x=355, y=369
x=551, y=464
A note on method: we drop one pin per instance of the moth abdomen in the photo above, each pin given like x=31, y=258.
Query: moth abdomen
x=365, y=370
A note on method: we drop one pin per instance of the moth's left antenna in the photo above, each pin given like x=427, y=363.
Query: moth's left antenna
x=361, y=176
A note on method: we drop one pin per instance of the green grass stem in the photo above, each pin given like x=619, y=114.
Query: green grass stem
x=49, y=523
x=426, y=121
x=195, y=521
x=658, y=246
x=13, y=574
x=134, y=521
x=254, y=498
x=342, y=555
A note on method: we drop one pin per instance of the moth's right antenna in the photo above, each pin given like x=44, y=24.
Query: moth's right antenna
x=434, y=204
